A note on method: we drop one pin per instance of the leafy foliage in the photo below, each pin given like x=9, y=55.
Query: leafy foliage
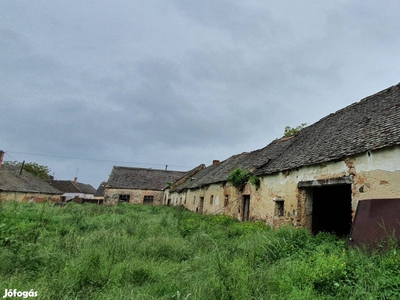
x=290, y=131
x=40, y=171
x=238, y=178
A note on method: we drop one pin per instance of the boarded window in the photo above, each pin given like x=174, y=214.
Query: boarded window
x=148, y=199
x=124, y=198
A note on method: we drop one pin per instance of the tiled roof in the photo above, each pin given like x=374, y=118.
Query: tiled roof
x=100, y=189
x=246, y=161
x=188, y=175
x=69, y=186
x=140, y=178
x=372, y=123
x=12, y=181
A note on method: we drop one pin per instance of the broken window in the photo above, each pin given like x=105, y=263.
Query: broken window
x=211, y=199
x=148, y=199
x=124, y=198
x=279, y=208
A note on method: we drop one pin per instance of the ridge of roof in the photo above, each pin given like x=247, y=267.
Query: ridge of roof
x=369, y=124
x=69, y=186
x=142, y=178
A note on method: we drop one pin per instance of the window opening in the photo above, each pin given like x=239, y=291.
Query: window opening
x=279, y=208
x=148, y=199
x=124, y=198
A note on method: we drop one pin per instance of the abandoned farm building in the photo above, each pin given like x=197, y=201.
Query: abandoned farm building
x=138, y=185
x=73, y=189
x=20, y=185
x=314, y=179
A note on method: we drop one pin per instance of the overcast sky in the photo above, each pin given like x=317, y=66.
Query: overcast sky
x=85, y=85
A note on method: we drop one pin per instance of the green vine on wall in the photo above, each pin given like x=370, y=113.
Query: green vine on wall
x=238, y=178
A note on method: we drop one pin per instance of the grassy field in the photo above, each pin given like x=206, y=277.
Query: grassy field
x=148, y=252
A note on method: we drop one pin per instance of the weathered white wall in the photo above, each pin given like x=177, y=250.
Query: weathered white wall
x=29, y=197
x=375, y=174
x=68, y=196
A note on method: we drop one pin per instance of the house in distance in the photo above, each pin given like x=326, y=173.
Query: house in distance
x=19, y=185
x=138, y=185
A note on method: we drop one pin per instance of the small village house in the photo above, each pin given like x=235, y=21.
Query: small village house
x=19, y=185
x=72, y=189
x=138, y=185
x=99, y=195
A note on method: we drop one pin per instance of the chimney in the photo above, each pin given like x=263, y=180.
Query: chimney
x=215, y=162
x=1, y=157
x=75, y=179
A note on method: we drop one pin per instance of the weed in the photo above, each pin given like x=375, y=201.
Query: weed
x=150, y=252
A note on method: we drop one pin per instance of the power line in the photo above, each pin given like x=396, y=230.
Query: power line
x=91, y=159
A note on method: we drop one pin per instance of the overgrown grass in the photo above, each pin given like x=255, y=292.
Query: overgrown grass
x=148, y=252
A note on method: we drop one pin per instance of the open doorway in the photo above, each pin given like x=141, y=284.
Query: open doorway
x=201, y=205
x=246, y=208
x=331, y=209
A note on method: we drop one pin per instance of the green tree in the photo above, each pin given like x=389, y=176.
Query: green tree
x=40, y=171
x=289, y=131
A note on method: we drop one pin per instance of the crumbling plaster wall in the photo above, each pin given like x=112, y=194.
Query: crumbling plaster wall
x=283, y=186
x=375, y=174
x=225, y=199
x=29, y=197
x=111, y=195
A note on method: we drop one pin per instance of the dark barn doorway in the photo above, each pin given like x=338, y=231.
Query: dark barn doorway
x=331, y=209
x=246, y=208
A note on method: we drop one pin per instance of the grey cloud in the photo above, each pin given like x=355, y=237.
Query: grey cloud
x=183, y=82
x=239, y=19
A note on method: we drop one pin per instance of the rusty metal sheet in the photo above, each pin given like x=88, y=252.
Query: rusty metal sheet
x=375, y=220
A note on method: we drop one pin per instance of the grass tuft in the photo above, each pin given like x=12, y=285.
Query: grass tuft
x=151, y=252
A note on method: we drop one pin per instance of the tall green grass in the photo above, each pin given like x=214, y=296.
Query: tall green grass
x=152, y=252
